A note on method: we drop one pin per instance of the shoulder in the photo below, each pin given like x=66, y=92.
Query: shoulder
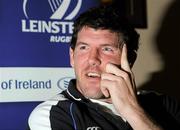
x=160, y=104
x=155, y=97
x=39, y=117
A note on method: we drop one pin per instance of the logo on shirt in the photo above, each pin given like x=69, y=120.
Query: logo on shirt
x=93, y=128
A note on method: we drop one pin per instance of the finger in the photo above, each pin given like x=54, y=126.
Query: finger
x=119, y=77
x=109, y=76
x=118, y=74
x=113, y=69
x=124, y=60
x=105, y=92
x=104, y=88
x=125, y=64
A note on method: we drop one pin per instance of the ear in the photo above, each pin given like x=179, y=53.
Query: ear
x=71, y=54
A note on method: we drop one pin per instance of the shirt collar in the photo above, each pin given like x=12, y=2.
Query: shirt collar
x=73, y=93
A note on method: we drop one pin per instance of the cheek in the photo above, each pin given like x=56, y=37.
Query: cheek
x=80, y=64
x=111, y=59
x=80, y=60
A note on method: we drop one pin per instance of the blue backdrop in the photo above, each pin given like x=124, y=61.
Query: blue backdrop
x=34, y=33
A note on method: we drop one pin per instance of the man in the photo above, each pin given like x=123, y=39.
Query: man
x=103, y=96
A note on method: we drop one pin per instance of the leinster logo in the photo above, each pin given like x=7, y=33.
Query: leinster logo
x=59, y=8
x=52, y=17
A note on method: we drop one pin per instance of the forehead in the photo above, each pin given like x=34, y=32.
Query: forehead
x=97, y=34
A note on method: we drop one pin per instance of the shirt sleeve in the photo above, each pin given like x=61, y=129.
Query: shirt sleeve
x=172, y=106
x=49, y=116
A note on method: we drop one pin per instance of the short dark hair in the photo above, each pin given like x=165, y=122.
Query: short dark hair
x=109, y=18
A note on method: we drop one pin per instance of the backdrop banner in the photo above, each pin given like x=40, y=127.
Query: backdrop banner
x=34, y=54
x=34, y=47
x=33, y=84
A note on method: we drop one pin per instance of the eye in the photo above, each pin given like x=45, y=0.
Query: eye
x=83, y=47
x=107, y=49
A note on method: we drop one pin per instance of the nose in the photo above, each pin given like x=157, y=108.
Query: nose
x=94, y=58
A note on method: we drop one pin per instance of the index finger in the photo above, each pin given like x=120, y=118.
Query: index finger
x=124, y=60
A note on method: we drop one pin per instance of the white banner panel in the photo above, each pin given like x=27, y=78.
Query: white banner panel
x=31, y=83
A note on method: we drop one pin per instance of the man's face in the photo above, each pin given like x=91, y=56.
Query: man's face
x=93, y=50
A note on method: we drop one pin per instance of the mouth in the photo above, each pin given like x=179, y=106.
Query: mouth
x=93, y=75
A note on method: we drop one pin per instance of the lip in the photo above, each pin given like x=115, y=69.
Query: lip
x=93, y=76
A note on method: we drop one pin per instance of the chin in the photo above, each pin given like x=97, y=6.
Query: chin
x=94, y=95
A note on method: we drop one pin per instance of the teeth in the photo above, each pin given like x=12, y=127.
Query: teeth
x=91, y=74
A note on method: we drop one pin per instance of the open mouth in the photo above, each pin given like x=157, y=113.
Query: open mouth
x=93, y=75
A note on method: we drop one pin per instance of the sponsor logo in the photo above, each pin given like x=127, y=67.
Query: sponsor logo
x=63, y=82
x=59, y=8
x=94, y=128
x=59, y=24
x=25, y=84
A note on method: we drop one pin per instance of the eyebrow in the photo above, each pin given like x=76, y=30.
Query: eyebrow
x=102, y=45
x=112, y=45
x=81, y=43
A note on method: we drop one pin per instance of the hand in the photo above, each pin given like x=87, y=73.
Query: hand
x=119, y=84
